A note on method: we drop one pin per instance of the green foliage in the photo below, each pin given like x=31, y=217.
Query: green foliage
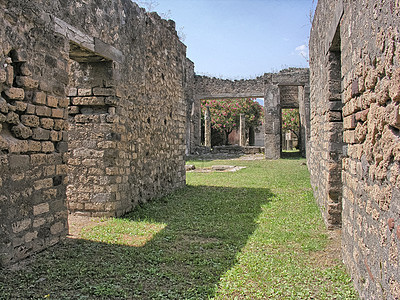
x=225, y=113
x=291, y=120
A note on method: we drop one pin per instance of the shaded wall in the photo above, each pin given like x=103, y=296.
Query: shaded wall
x=120, y=73
x=354, y=149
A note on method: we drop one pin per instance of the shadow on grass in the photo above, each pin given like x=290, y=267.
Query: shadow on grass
x=206, y=227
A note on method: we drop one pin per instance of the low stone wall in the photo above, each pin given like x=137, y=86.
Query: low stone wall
x=226, y=151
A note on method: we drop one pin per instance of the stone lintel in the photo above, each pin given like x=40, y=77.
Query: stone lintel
x=85, y=48
x=339, y=10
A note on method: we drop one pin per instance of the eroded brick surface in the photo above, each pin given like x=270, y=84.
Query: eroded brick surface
x=359, y=159
x=92, y=115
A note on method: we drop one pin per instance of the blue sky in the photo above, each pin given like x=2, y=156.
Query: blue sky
x=241, y=38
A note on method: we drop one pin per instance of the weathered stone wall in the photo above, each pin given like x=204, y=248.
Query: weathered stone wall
x=120, y=73
x=211, y=87
x=355, y=58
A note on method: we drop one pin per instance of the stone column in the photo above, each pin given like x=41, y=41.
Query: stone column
x=207, y=127
x=302, y=129
x=242, y=130
x=272, y=111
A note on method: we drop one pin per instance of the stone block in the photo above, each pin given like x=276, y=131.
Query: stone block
x=10, y=75
x=40, y=209
x=15, y=93
x=3, y=106
x=349, y=122
x=12, y=118
x=63, y=102
x=39, y=98
x=30, y=236
x=3, y=76
x=52, y=101
x=362, y=115
x=355, y=88
x=89, y=101
x=41, y=134
x=30, y=109
x=18, y=146
x=47, y=123
x=47, y=147
x=20, y=106
x=34, y=146
x=349, y=137
x=334, y=116
x=43, y=111
x=57, y=113
x=38, y=222
x=43, y=184
x=57, y=228
x=72, y=92
x=25, y=69
x=21, y=131
x=27, y=82
x=30, y=120
x=55, y=136
x=84, y=92
x=21, y=225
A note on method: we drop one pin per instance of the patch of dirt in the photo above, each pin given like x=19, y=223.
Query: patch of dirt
x=77, y=223
x=332, y=253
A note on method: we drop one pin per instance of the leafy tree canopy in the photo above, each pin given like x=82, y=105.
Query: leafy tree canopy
x=290, y=120
x=225, y=113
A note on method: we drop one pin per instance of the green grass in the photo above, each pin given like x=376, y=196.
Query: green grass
x=253, y=234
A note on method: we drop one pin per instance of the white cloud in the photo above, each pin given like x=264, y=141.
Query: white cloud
x=302, y=50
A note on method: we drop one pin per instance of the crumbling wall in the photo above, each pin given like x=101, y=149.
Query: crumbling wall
x=360, y=42
x=120, y=73
x=209, y=87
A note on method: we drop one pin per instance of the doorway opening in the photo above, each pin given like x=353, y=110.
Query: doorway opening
x=91, y=113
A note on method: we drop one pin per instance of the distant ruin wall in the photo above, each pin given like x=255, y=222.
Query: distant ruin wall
x=209, y=87
x=92, y=115
x=284, y=89
x=354, y=156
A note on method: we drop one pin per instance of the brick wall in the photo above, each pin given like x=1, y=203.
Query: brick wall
x=355, y=58
x=92, y=115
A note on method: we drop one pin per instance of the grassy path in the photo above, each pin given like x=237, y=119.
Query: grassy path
x=252, y=234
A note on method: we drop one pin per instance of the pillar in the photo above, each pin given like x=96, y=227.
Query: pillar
x=242, y=130
x=207, y=127
x=272, y=124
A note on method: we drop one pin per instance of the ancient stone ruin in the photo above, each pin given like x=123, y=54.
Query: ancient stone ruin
x=99, y=106
x=92, y=115
x=354, y=146
x=287, y=89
